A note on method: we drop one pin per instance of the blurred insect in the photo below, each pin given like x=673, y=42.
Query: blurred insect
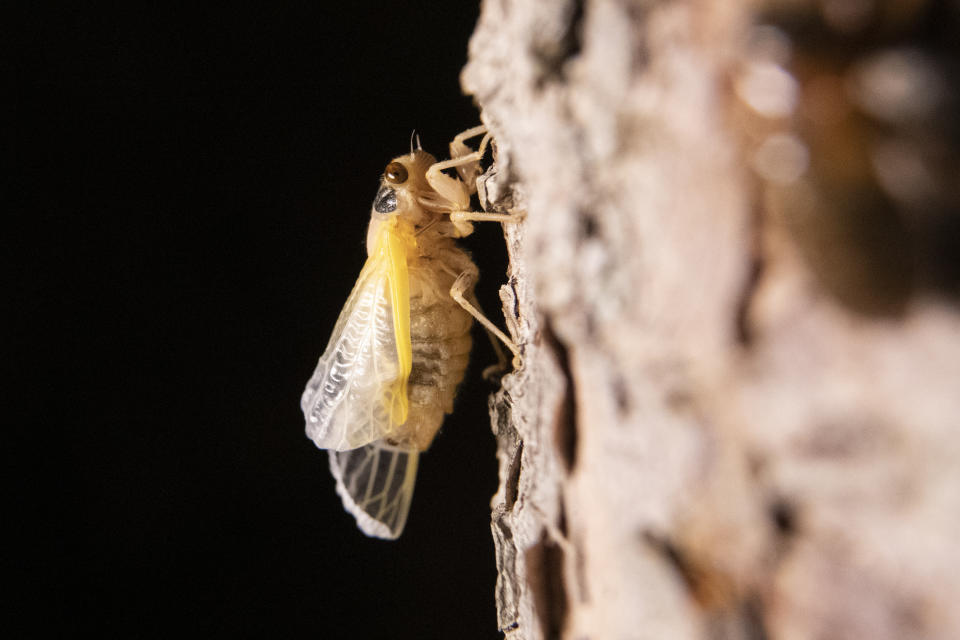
x=400, y=346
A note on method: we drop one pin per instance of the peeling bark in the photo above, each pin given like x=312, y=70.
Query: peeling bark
x=737, y=411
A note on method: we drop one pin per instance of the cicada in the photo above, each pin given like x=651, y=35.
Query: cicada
x=400, y=347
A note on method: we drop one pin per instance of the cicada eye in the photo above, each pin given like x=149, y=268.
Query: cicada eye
x=395, y=173
x=386, y=200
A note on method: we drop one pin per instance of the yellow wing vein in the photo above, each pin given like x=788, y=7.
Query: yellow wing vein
x=392, y=245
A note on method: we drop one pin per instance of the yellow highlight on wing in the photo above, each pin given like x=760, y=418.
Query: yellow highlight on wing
x=392, y=245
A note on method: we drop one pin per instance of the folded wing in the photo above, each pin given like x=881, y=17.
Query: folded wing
x=348, y=401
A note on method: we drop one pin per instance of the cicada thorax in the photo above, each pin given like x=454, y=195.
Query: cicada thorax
x=440, y=341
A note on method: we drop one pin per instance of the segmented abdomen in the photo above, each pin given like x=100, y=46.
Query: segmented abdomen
x=440, y=337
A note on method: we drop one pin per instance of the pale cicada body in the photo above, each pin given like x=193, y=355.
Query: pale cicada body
x=400, y=347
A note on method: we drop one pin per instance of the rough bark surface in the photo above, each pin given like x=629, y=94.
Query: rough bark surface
x=736, y=416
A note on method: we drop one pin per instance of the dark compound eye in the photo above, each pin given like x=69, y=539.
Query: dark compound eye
x=395, y=173
x=386, y=200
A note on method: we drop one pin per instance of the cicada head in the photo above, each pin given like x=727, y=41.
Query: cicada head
x=403, y=185
x=402, y=182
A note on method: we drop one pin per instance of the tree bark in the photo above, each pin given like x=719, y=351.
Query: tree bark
x=737, y=411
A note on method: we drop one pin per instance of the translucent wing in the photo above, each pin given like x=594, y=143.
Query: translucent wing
x=375, y=483
x=348, y=401
x=357, y=396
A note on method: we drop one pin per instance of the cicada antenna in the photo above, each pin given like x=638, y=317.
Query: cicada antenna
x=414, y=134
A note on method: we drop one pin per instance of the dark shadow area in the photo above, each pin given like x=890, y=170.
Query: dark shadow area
x=190, y=190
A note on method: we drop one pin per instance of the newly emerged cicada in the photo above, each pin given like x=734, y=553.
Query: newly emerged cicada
x=400, y=346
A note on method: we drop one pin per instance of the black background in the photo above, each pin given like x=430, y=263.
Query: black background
x=187, y=196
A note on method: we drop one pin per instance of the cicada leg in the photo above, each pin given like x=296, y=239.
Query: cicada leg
x=467, y=160
x=467, y=164
x=458, y=192
x=483, y=216
x=462, y=293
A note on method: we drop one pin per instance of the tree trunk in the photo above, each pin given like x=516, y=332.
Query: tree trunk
x=735, y=288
